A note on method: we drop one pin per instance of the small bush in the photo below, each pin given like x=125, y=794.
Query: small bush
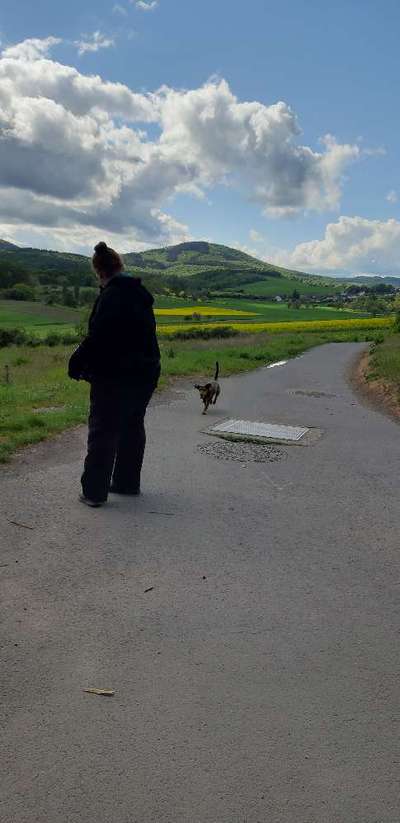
x=52, y=339
x=220, y=332
x=69, y=339
x=12, y=337
x=20, y=361
x=21, y=291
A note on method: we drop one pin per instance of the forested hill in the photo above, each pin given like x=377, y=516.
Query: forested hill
x=194, y=266
x=188, y=259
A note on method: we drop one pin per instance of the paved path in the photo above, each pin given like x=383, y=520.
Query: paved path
x=258, y=680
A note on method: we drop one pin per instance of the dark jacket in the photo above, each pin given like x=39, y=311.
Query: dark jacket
x=121, y=343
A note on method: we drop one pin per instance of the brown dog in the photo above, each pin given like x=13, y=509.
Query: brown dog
x=210, y=391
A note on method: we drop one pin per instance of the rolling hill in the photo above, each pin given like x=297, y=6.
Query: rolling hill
x=373, y=280
x=193, y=267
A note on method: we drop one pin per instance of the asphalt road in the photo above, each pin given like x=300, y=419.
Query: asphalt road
x=258, y=680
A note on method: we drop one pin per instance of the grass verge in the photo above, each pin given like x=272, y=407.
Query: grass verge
x=384, y=362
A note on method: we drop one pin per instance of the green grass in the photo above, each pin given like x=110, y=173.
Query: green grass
x=37, y=317
x=283, y=286
x=41, y=401
x=38, y=381
x=384, y=363
x=162, y=302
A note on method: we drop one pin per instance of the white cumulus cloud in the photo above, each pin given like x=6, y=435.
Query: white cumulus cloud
x=31, y=49
x=256, y=145
x=94, y=42
x=146, y=5
x=76, y=158
x=353, y=245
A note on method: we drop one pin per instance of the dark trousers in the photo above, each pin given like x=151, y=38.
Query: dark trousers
x=117, y=437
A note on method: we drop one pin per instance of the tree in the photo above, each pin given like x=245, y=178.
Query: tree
x=21, y=291
x=383, y=288
x=396, y=306
x=68, y=298
x=375, y=306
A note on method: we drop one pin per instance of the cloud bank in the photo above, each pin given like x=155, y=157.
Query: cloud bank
x=351, y=245
x=76, y=161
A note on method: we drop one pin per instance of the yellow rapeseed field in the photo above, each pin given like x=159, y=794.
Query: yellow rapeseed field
x=274, y=328
x=208, y=311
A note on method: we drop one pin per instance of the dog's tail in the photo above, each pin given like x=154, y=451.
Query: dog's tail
x=216, y=370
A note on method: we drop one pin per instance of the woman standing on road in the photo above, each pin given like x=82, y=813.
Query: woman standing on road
x=120, y=358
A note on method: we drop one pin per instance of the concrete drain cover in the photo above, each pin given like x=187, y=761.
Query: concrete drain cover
x=242, y=452
x=258, y=432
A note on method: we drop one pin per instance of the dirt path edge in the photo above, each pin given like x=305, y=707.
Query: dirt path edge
x=378, y=394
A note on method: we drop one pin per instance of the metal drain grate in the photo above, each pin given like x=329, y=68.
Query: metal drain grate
x=242, y=452
x=246, y=429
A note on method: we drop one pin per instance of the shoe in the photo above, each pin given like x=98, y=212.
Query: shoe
x=95, y=504
x=131, y=492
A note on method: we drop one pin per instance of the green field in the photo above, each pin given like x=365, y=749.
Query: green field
x=37, y=317
x=284, y=287
x=279, y=312
x=41, y=320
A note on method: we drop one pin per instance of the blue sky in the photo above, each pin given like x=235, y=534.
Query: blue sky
x=334, y=66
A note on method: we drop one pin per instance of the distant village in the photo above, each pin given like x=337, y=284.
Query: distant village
x=377, y=298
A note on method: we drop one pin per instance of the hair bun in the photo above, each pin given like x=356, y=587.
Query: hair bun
x=101, y=247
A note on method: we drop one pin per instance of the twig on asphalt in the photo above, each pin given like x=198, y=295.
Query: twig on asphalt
x=101, y=692
x=21, y=525
x=166, y=514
